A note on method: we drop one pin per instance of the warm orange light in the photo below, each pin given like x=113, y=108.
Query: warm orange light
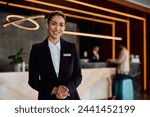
x=145, y=54
x=113, y=41
x=22, y=19
x=106, y=9
x=128, y=36
x=69, y=15
x=30, y=8
x=1, y=2
x=76, y=10
x=92, y=35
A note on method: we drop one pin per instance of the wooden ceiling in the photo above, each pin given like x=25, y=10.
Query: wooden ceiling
x=72, y=8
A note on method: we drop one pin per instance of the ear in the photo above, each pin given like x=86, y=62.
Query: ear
x=46, y=25
x=65, y=27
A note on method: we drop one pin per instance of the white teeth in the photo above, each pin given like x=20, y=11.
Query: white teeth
x=56, y=33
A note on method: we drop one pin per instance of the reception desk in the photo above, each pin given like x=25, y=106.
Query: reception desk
x=95, y=85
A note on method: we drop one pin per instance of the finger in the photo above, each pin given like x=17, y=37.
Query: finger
x=62, y=96
x=64, y=87
x=58, y=96
x=68, y=94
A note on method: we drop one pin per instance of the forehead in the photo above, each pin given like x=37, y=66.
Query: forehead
x=58, y=18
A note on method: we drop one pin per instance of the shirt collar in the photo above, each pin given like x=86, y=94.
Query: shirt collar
x=50, y=44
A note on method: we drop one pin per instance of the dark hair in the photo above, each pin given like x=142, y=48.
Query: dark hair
x=54, y=13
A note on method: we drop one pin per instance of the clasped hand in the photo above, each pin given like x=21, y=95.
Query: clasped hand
x=61, y=92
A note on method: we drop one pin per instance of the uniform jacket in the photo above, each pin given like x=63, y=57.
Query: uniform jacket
x=42, y=75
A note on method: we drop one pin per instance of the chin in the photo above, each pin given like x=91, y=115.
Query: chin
x=56, y=37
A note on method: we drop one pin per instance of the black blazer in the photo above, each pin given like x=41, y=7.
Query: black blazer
x=42, y=76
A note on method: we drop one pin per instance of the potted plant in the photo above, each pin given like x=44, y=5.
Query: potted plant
x=16, y=60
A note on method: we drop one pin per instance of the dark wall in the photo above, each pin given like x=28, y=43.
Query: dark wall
x=148, y=55
x=87, y=43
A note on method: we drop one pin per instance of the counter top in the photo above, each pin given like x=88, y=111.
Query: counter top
x=97, y=65
x=95, y=85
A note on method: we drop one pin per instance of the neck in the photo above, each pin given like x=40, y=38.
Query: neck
x=54, y=41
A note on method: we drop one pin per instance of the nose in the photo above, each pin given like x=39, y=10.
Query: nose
x=57, y=27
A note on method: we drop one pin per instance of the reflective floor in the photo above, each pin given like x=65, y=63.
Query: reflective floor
x=137, y=96
x=142, y=97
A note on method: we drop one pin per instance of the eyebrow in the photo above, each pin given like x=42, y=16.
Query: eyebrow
x=57, y=22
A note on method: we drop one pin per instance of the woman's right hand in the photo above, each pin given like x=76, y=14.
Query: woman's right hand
x=61, y=92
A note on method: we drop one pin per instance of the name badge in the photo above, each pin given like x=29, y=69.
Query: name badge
x=66, y=54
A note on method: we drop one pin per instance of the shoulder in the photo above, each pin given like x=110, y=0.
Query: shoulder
x=67, y=44
x=125, y=52
x=40, y=44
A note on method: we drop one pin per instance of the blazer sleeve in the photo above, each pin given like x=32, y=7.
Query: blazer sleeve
x=34, y=76
x=76, y=76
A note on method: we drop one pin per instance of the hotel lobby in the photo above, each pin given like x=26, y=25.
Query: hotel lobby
x=98, y=22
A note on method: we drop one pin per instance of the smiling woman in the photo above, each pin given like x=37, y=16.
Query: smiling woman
x=53, y=74
x=56, y=25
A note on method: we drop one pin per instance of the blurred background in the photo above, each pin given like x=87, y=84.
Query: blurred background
x=22, y=24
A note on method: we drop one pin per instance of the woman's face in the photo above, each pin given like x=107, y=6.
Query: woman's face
x=56, y=27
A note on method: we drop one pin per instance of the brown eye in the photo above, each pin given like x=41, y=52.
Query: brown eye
x=53, y=23
x=61, y=24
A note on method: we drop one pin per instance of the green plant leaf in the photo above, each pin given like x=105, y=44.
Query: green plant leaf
x=17, y=58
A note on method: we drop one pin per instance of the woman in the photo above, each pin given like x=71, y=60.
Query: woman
x=122, y=71
x=54, y=67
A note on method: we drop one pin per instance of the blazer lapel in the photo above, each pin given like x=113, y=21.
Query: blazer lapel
x=49, y=58
x=62, y=61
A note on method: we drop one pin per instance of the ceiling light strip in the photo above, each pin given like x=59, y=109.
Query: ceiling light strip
x=1, y=2
x=30, y=8
x=89, y=19
x=92, y=35
x=106, y=9
x=81, y=34
x=22, y=18
x=76, y=10
x=113, y=41
x=128, y=36
x=145, y=55
x=69, y=15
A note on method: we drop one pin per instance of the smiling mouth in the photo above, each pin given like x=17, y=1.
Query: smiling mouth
x=56, y=33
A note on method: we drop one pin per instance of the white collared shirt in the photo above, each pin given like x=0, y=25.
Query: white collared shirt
x=123, y=62
x=55, y=54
